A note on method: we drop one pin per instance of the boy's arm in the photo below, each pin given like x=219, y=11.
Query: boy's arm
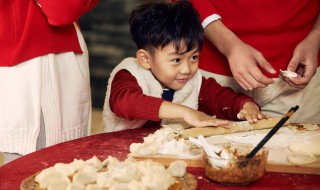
x=221, y=101
x=195, y=118
x=128, y=101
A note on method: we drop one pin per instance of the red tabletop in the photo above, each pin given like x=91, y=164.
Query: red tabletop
x=117, y=144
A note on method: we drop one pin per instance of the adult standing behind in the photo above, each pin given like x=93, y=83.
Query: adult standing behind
x=44, y=75
x=248, y=42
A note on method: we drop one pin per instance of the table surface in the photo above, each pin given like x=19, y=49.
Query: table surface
x=117, y=144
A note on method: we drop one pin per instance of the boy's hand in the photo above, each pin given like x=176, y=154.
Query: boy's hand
x=199, y=119
x=251, y=113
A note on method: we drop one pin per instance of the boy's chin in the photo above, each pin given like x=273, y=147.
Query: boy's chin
x=176, y=88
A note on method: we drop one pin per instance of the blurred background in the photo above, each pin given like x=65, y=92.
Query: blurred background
x=106, y=31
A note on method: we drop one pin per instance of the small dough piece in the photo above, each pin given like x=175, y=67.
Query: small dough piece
x=300, y=159
x=305, y=144
x=288, y=74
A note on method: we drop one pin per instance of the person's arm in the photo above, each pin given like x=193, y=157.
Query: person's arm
x=227, y=104
x=169, y=110
x=128, y=101
x=243, y=59
x=305, y=58
x=206, y=10
x=64, y=12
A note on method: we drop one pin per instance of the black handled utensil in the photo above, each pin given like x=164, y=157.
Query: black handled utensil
x=269, y=135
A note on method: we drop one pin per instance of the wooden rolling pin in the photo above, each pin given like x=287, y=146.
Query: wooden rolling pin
x=235, y=127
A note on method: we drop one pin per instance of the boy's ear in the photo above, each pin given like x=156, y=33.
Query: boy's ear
x=143, y=58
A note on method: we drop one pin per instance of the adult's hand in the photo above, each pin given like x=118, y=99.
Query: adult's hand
x=243, y=59
x=305, y=58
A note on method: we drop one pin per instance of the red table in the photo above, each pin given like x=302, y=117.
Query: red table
x=117, y=144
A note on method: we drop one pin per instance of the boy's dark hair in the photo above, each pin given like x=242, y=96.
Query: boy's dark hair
x=155, y=25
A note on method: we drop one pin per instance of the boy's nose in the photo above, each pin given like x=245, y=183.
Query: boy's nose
x=185, y=69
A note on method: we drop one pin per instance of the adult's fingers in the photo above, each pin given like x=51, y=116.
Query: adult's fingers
x=293, y=64
x=264, y=64
x=247, y=81
x=259, y=79
x=296, y=82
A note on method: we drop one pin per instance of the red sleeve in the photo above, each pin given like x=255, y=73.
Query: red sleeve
x=128, y=101
x=64, y=12
x=204, y=7
x=220, y=101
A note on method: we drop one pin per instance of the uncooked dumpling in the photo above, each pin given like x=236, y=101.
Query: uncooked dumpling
x=288, y=74
x=298, y=158
x=306, y=144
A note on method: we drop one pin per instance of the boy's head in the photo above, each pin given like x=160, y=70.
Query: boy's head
x=169, y=37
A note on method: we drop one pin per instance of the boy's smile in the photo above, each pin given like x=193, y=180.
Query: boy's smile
x=173, y=69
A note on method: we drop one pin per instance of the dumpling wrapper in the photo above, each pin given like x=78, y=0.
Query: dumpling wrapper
x=288, y=74
x=300, y=159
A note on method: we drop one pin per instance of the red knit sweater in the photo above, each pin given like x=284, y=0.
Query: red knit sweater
x=128, y=101
x=273, y=27
x=28, y=31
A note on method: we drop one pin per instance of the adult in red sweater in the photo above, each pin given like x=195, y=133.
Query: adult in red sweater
x=44, y=87
x=247, y=43
x=169, y=38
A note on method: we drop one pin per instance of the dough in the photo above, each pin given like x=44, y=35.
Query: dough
x=129, y=174
x=306, y=144
x=288, y=74
x=298, y=158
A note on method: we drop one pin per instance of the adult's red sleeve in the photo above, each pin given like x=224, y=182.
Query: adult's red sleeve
x=64, y=12
x=128, y=101
x=204, y=7
x=220, y=101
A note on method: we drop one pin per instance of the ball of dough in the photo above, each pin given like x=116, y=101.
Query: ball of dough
x=298, y=158
x=305, y=144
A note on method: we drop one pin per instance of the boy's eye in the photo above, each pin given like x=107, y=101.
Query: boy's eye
x=195, y=57
x=177, y=60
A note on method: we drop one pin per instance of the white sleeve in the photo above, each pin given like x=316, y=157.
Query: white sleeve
x=210, y=19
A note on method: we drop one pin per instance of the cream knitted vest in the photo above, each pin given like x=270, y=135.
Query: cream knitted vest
x=187, y=96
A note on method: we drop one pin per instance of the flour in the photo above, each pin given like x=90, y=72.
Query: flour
x=277, y=145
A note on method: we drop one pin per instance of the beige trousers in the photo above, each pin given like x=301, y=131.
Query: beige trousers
x=276, y=99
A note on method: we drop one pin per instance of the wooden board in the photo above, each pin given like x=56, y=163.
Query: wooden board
x=283, y=166
x=313, y=168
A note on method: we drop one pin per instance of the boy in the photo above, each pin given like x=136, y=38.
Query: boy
x=163, y=81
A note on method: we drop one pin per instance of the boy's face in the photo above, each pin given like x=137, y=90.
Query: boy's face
x=173, y=69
